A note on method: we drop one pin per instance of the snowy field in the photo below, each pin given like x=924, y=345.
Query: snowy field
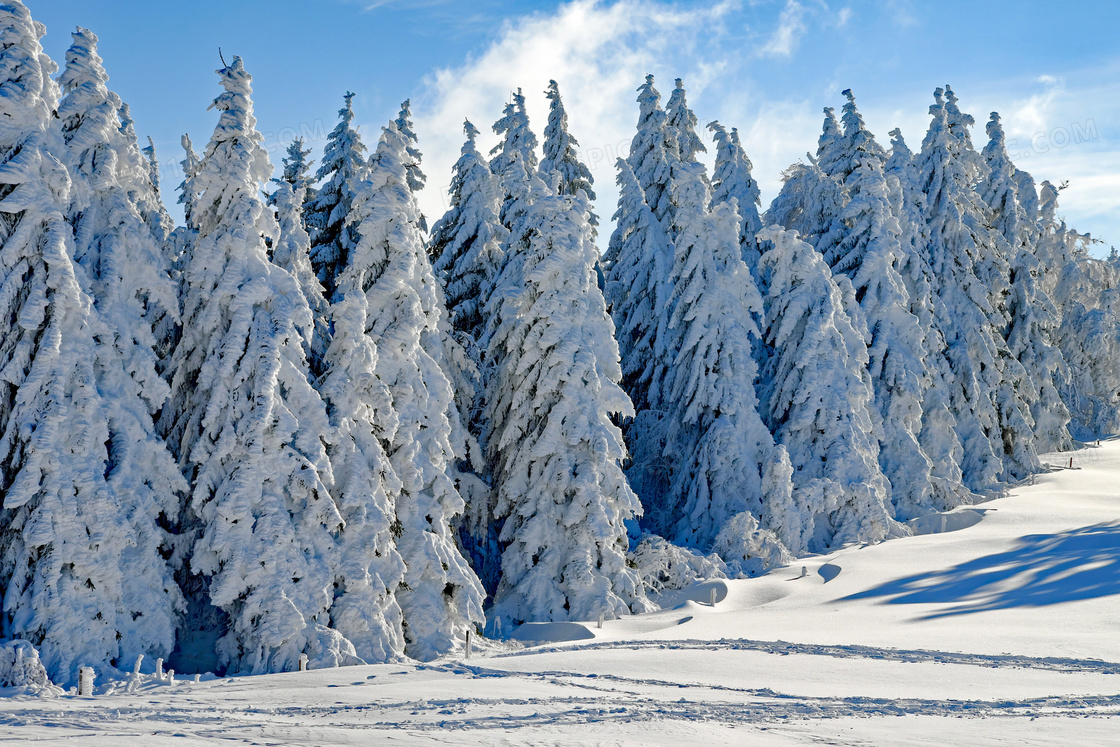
x=1004, y=629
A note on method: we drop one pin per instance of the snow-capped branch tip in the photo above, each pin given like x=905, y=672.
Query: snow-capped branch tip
x=470, y=130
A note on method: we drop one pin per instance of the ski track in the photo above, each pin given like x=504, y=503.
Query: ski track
x=1053, y=664
x=598, y=698
x=605, y=706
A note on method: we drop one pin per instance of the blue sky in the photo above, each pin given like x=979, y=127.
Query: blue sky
x=767, y=67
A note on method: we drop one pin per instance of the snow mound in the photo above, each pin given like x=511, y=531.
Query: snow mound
x=946, y=522
x=552, y=632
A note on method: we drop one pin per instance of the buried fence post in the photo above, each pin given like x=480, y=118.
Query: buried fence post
x=159, y=669
x=467, y=646
x=1071, y=462
x=712, y=596
x=85, y=681
x=303, y=662
x=601, y=616
x=170, y=676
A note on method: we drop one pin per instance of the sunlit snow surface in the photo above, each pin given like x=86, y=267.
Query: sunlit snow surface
x=1005, y=631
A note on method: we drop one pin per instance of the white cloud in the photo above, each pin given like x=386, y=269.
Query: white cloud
x=791, y=27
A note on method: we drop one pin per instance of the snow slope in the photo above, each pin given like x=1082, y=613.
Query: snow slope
x=1004, y=631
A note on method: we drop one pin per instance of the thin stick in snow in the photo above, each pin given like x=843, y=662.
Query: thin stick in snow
x=303, y=662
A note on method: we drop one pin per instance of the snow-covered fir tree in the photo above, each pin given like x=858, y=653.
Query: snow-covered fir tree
x=719, y=448
x=370, y=569
x=652, y=152
x=65, y=535
x=992, y=420
x=440, y=596
x=830, y=145
x=343, y=165
x=556, y=453
x=140, y=176
x=246, y=423
x=870, y=254
x=639, y=260
x=938, y=437
x=297, y=166
x=132, y=290
x=1033, y=316
x=466, y=244
x=635, y=292
x=731, y=178
x=817, y=399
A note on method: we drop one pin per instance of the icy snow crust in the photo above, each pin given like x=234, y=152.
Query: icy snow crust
x=997, y=631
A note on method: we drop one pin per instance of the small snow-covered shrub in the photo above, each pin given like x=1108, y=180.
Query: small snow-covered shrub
x=664, y=566
x=20, y=667
x=748, y=550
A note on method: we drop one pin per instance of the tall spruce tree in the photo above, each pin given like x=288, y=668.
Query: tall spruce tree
x=466, y=245
x=870, y=254
x=66, y=539
x=440, y=596
x=938, y=436
x=132, y=290
x=244, y=420
x=556, y=453
x=1033, y=316
x=817, y=400
x=717, y=442
x=518, y=143
x=960, y=249
x=416, y=177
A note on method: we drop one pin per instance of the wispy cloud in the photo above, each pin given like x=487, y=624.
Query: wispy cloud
x=791, y=27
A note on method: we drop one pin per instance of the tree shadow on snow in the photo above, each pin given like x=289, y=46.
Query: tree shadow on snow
x=1044, y=569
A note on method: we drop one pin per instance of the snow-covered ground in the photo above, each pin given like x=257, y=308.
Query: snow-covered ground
x=1003, y=630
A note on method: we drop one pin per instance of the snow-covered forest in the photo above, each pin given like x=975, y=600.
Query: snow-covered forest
x=312, y=421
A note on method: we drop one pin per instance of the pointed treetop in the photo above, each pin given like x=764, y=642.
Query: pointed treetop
x=87, y=109
x=683, y=122
x=649, y=100
x=860, y=144
x=898, y=142
x=153, y=164
x=470, y=130
x=416, y=178
x=830, y=153
x=234, y=161
x=560, y=155
x=517, y=138
x=732, y=179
